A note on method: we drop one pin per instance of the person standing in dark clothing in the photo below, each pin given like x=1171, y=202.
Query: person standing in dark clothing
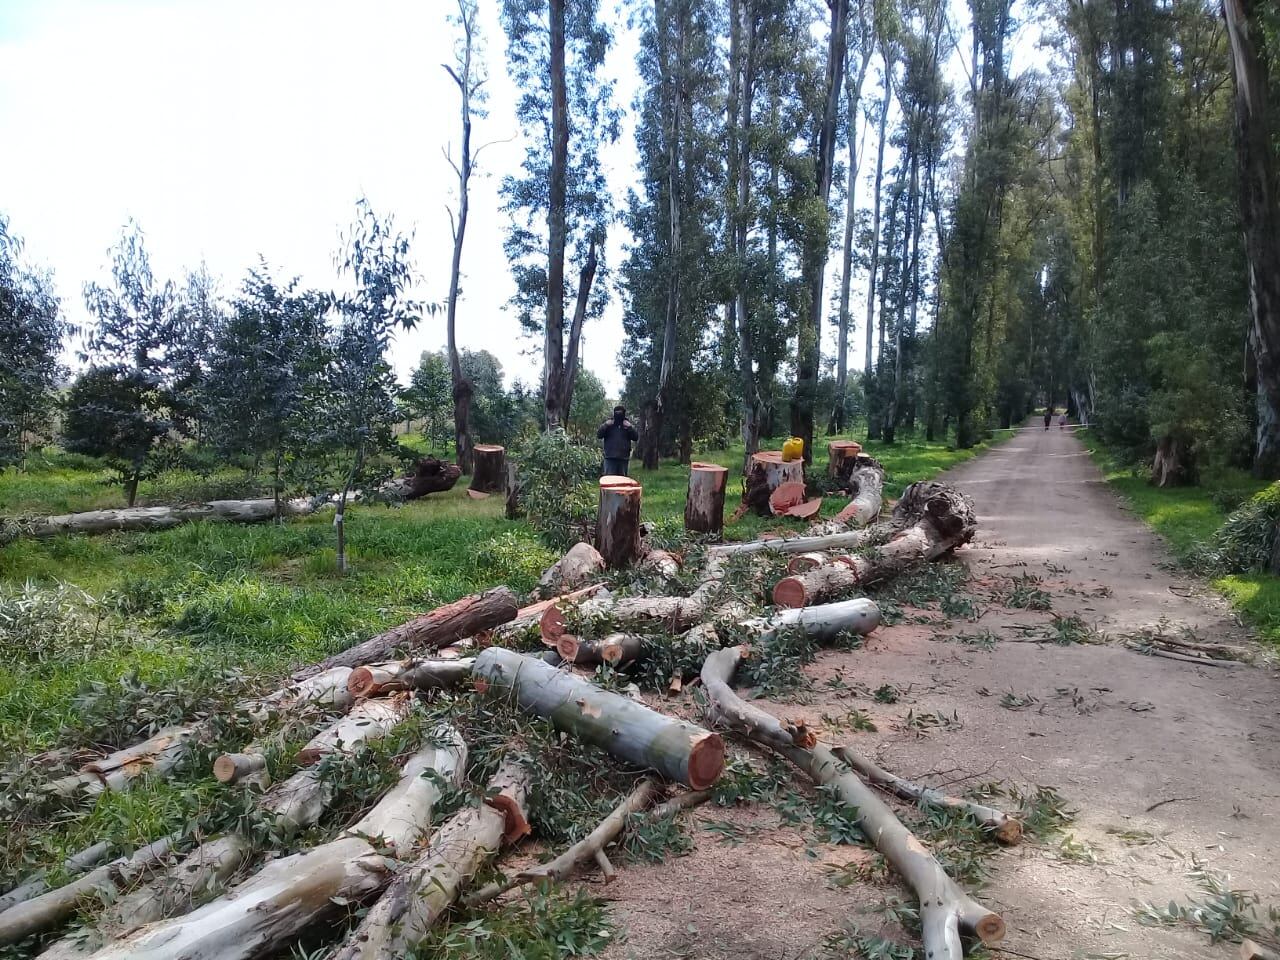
x=618, y=434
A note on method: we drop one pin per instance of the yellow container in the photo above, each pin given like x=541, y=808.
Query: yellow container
x=793, y=449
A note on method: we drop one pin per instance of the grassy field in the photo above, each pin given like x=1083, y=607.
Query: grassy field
x=189, y=606
x=1187, y=517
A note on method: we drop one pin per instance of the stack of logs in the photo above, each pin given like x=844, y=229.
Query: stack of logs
x=171, y=900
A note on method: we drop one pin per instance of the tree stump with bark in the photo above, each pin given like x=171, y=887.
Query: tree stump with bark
x=618, y=524
x=766, y=471
x=489, y=474
x=840, y=452
x=704, y=505
x=514, y=490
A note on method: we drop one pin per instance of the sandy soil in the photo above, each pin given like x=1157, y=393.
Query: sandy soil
x=1114, y=731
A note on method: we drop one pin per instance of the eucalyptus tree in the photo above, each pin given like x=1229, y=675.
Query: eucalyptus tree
x=126, y=408
x=559, y=202
x=32, y=329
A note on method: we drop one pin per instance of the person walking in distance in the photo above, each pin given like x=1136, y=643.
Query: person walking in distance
x=1062, y=422
x=1048, y=417
x=618, y=434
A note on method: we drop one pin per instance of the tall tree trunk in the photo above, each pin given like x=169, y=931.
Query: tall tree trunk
x=741, y=107
x=586, y=279
x=853, y=98
x=911, y=284
x=553, y=341
x=868, y=382
x=1259, y=200
x=809, y=349
x=462, y=388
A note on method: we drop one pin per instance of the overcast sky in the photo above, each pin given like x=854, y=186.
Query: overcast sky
x=233, y=128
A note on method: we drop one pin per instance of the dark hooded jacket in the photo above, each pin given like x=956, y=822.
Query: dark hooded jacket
x=617, y=438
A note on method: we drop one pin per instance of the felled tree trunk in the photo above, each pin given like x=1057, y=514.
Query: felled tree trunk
x=531, y=616
x=704, y=503
x=628, y=730
x=944, y=521
x=429, y=476
x=490, y=473
x=296, y=893
x=56, y=906
x=618, y=524
x=38, y=883
x=442, y=626
x=662, y=562
x=865, y=480
x=581, y=564
x=157, y=518
x=728, y=710
x=376, y=679
x=766, y=471
x=822, y=624
x=422, y=892
x=369, y=720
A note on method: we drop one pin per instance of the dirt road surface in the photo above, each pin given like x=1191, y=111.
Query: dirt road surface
x=1168, y=764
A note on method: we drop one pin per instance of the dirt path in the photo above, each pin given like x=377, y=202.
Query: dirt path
x=1115, y=732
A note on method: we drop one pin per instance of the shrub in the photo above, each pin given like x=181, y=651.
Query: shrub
x=1245, y=541
x=560, y=493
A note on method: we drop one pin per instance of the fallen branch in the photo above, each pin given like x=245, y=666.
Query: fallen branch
x=421, y=893
x=442, y=626
x=729, y=710
x=38, y=883
x=296, y=893
x=132, y=519
x=1149, y=651
x=630, y=731
x=376, y=679
x=588, y=848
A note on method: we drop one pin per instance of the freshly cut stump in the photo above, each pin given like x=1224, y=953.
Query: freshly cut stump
x=490, y=472
x=618, y=526
x=766, y=471
x=839, y=451
x=704, y=504
x=629, y=730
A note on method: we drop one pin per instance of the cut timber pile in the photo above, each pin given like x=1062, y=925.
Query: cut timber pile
x=490, y=472
x=154, y=518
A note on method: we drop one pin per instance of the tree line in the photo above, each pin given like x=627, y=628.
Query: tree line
x=1098, y=230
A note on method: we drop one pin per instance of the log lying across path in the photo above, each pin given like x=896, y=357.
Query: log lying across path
x=422, y=892
x=295, y=893
x=629, y=730
x=945, y=909
x=442, y=626
x=155, y=518
x=943, y=519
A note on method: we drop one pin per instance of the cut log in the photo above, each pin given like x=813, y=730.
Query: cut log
x=945, y=521
x=1004, y=828
x=804, y=511
x=630, y=731
x=38, y=883
x=662, y=562
x=369, y=720
x=839, y=453
x=588, y=848
x=766, y=471
x=704, y=503
x=379, y=678
x=865, y=481
x=422, y=892
x=582, y=653
x=807, y=561
x=264, y=914
x=1251, y=950
x=620, y=649
x=442, y=626
x=581, y=564
x=429, y=476
x=56, y=906
x=157, y=755
x=155, y=518
x=618, y=524
x=823, y=623
x=490, y=472
x=785, y=496
x=841, y=540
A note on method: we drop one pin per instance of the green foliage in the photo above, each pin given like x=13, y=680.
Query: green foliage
x=560, y=493
x=541, y=926
x=1223, y=913
x=1245, y=543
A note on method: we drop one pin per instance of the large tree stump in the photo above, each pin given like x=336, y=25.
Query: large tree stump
x=630, y=731
x=490, y=472
x=766, y=471
x=838, y=452
x=704, y=505
x=618, y=525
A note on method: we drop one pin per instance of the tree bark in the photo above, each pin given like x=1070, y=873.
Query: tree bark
x=766, y=471
x=378, y=678
x=1174, y=464
x=422, y=892
x=629, y=730
x=513, y=490
x=581, y=564
x=704, y=503
x=864, y=478
x=153, y=518
x=490, y=468
x=295, y=893
x=618, y=526
x=370, y=720
x=38, y=883
x=557, y=179
x=875, y=219
x=1260, y=207
x=443, y=626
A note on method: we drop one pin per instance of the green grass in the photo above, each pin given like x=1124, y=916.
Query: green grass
x=1187, y=517
x=261, y=599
